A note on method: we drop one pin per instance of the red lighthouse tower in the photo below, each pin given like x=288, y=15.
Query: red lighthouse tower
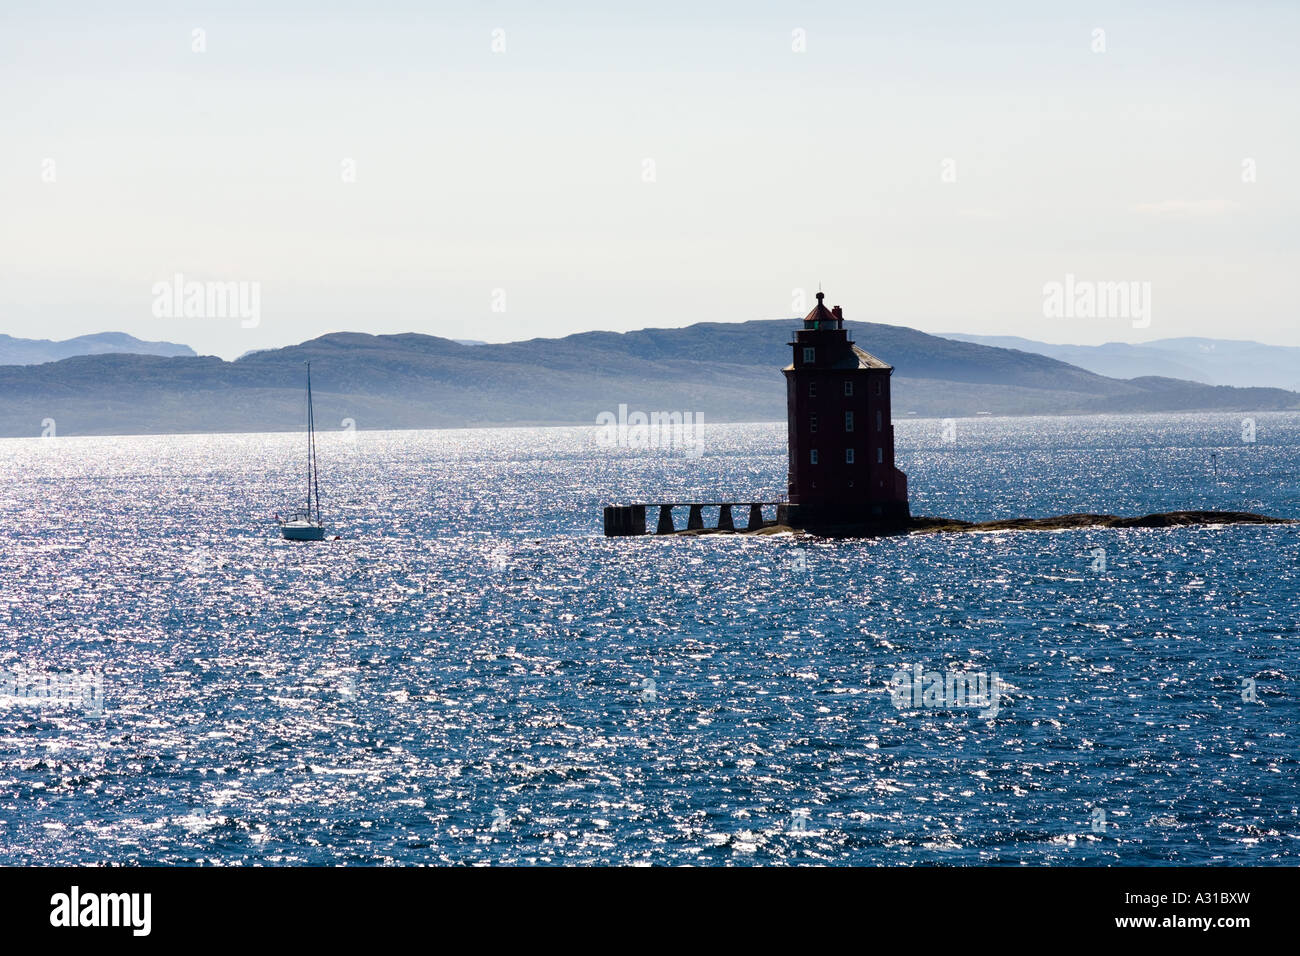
x=842, y=474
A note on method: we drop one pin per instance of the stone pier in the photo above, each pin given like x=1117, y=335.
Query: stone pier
x=628, y=520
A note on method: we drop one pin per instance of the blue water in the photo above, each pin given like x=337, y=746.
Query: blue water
x=466, y=676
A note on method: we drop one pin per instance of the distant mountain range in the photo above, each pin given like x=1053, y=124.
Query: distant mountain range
x=1211, y=361
x=724, y=371
x=36, y=351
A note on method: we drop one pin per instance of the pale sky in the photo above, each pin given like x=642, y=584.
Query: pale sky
x=130, y=156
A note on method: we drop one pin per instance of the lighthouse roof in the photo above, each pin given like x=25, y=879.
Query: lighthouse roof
x=855, y=358
x=821, y=317
x=866, y=360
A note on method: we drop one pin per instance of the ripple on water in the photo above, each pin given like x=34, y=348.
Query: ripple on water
x=473, y=674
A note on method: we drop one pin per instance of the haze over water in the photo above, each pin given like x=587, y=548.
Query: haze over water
x=473, y=673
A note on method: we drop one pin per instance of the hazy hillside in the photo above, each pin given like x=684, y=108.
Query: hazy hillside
x=727, y=372
x=15, y=351
x=1212, y=361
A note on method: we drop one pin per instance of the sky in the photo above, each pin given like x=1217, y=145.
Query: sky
x=503, y=171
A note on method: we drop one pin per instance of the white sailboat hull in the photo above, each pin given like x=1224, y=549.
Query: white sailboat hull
x=302, y=531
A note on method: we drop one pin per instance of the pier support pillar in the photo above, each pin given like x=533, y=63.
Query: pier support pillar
x=696, y=521
x=755, y=517
x=624, y=520
x=665, y=520
x=724, y=519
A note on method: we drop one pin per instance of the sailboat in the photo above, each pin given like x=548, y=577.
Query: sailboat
x=306, y=525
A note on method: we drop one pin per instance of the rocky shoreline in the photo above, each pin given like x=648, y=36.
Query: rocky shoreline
x=928, y=525
x=1163, y=519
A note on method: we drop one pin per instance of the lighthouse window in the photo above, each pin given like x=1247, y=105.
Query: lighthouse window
x=848, y=456
x=880, y=456
x=812, y=456
x=812, y=389
x=848, y=388
x=812, y=424
x=878, y=420
x=848, y=421
x=810, y=355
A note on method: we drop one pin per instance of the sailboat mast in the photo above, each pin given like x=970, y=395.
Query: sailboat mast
x=313, y=475
x=310, y=438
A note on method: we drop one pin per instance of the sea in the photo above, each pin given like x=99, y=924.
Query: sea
x=470, y=673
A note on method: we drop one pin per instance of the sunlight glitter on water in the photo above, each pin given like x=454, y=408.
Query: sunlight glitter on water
x=463, y=676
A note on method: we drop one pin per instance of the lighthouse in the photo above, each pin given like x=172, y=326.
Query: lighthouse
x=842, y=474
